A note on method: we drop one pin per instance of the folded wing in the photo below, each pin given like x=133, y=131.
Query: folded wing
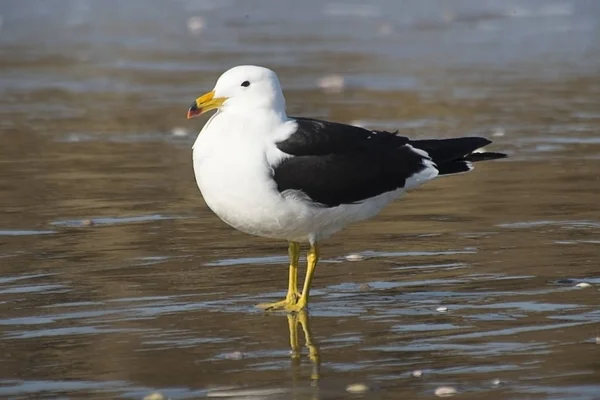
x=336, y=164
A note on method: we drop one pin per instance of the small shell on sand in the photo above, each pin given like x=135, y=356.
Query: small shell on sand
x=234, y=355
x=195, y=25
x=445, y=391
x=155, y=396
x=583, y=285
x=357, y=388
x=178, y=131
x=417, y=373
x=355, y=257
x=364, y=287
x=87, y=222
x=332, y=83
x=441, y=309
x=498, y=132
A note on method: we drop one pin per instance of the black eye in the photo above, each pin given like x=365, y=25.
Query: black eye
x=245, y=84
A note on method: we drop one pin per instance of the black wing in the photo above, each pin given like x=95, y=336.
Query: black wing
x=314, y=138
x=337, y=164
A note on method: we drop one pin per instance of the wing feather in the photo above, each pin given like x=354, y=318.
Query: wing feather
x=337, y=164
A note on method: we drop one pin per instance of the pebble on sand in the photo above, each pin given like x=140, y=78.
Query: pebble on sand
x=355, y=257
x=234, y=355
x=496, y=382
x=195, y=25
x=445, y=391
x=179, y=132
x=332, y=83
x=87, y=222
x=155, y=396
x=441, y=309
x=498, y=132
x=583, y=285
x=597, y=339
x=417, y=373
x=364, y=287
x=357, y=388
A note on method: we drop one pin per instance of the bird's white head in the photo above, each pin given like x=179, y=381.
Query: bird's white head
x=246, y=88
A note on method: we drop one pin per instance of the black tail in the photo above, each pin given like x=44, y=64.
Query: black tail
x=453, y=156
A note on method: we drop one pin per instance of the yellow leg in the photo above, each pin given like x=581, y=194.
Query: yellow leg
x=294, y=256
x=312, y=260
x=292, y=294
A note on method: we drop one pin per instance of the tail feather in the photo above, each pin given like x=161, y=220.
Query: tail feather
x=454, y=156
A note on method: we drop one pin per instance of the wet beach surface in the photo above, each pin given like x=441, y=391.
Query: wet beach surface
x=116, y=280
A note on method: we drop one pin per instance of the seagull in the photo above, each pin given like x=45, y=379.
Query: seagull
x=300, y=179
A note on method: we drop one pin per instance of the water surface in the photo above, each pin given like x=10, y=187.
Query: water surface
x=116, y=281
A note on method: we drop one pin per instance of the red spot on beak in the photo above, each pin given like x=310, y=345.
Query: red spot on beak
x=194, y=111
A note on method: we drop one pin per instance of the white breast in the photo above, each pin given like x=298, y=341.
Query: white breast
x=234, y=175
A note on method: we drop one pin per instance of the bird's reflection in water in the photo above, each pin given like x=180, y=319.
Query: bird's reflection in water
x=302, y=319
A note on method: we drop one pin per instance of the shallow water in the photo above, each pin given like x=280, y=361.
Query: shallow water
x=116, y=281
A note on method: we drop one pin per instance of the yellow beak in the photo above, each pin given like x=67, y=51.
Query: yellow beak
x=205, y=103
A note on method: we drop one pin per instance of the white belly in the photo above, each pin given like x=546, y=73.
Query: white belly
x=230, y=193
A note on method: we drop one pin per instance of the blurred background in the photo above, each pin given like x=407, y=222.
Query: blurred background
x=116, y=281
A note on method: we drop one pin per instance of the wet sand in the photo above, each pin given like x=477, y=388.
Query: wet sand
x=116, y=280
